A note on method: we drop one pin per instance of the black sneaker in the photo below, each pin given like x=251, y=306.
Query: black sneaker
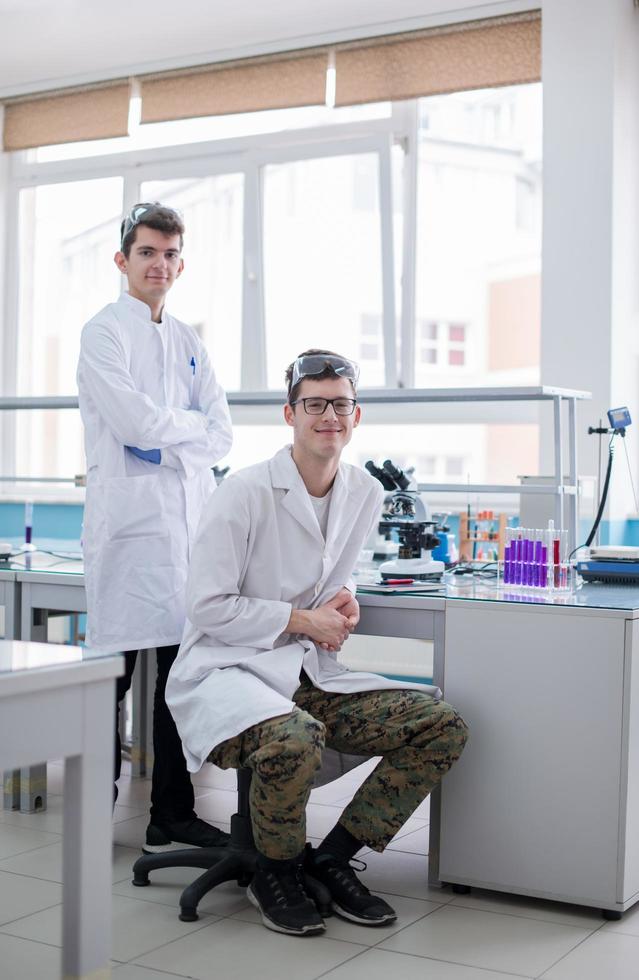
x=350, y=898
x=178, y=834
x=281, y=900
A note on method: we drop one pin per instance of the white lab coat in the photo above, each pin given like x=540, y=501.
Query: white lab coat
x=149, y=385
x=259, y=554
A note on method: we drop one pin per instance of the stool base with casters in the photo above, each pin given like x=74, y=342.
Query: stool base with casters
x=235, y=862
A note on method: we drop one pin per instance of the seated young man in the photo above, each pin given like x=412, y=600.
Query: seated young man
x=257, y=682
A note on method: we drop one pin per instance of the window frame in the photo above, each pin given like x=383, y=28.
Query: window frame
x=249, y=155
x=246, y=155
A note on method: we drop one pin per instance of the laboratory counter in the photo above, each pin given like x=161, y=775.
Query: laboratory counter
x=57, y=702
x=545, y=799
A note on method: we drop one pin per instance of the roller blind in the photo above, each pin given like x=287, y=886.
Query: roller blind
x=247, y=86
x=474, y=54
x=92, y=113
x=480, y=54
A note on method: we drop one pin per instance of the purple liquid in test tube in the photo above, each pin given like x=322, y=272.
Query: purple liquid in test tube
x=531, y=563
x=28, y=522
x=537, y=565
x=527, y=576
x=517, y=562
x=508, y=564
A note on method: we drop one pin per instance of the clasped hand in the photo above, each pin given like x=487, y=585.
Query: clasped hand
x=334, y=621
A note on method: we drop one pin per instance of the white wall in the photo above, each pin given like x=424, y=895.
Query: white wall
x=590, y=255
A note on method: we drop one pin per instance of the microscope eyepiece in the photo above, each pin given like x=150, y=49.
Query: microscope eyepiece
x=381, y=475
x=398, y=476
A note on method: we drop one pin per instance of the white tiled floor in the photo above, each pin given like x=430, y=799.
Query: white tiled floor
x=438, y=935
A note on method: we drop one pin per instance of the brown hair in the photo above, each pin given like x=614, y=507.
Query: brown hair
x=158, y=217
x=328, y=372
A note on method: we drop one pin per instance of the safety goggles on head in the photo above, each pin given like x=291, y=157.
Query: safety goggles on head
x=141, y=211
x=310, y=364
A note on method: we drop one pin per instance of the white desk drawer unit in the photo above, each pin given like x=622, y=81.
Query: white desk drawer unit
x=545, y=799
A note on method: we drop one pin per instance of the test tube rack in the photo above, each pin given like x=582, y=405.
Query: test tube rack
x=481, y=534
x=536, y=559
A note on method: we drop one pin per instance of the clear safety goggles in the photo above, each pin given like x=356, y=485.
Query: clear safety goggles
x=310, y=364
x=140, y=211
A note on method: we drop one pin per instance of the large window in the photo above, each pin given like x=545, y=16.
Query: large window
x=479, y=238
x=405, y=235
x=208, y=294
x=67, y=236
x=322, y=260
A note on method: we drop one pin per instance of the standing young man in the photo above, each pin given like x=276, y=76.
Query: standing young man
x=156, y=421
x=257, y=682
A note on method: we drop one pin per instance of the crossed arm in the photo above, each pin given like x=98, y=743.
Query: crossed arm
x=187, y=440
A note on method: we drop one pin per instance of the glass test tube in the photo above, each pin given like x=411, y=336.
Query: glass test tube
x=507, y=564
x=529, y=567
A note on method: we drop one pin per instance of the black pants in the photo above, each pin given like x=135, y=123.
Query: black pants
x=172, y=796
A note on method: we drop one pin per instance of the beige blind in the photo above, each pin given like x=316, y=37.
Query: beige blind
x=480, y=54
x=67, y=117
x=476, y=54
x=242, y=87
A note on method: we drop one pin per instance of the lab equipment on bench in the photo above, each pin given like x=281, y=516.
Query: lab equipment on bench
x=404, y=512
x=28, y=527
x=537, y=559
x=482, y=536
x=383, y=543
x=619, y=419
x=446, y=550
x=611, y=564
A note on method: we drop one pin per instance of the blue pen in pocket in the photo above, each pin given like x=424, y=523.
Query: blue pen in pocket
x=193, y=364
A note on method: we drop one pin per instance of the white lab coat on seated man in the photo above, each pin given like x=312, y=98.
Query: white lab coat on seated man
x=259, y=554
x=148, y=385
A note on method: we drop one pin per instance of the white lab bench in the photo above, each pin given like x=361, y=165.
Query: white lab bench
x=57, y=702
x=40, y=585
x=9, y=600
x=54, y=586
x=545, y=799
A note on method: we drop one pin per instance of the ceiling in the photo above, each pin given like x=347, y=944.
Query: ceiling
x=46, y=45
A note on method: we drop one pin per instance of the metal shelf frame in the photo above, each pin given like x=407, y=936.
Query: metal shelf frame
x=564, y=487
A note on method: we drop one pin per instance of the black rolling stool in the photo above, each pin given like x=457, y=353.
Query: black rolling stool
x=235, y=862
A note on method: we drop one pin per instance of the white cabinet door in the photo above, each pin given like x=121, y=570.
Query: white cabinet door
x=630, y=766
x=533, y=804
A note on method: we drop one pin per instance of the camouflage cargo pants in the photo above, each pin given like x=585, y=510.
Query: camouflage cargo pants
x=418, y=738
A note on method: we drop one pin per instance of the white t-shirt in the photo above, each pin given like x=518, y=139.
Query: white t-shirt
x=321, y=507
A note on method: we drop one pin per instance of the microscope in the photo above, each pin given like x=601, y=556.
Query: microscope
x=405, y=512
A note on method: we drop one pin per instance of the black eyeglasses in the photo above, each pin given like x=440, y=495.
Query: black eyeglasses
x=317, y=406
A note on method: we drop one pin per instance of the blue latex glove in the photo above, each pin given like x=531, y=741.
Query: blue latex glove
x=150, y=455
